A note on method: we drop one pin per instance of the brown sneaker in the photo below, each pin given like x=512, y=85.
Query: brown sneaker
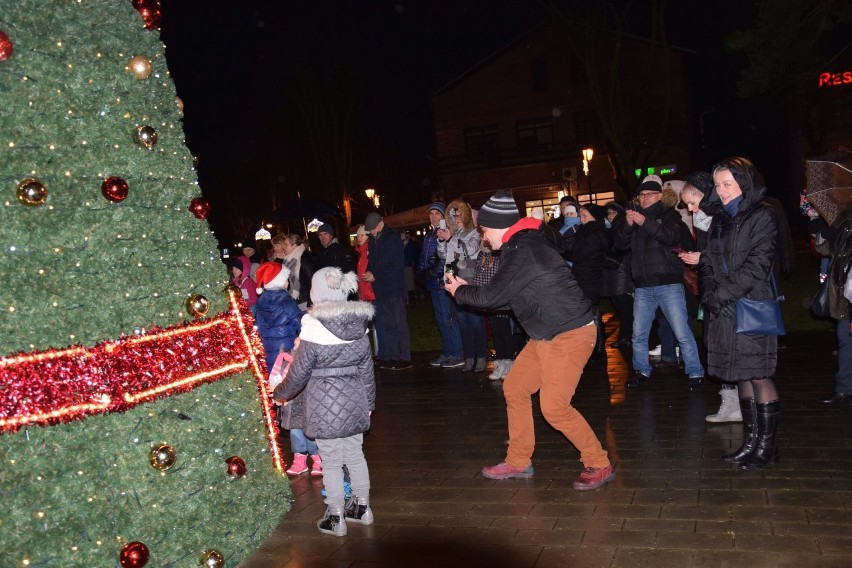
x=593, y=478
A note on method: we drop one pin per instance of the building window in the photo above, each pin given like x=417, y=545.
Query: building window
x=538, y=70
x=481, y=142
x=534, y=134
x=544, y=209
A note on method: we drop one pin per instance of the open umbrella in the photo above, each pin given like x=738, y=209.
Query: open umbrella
x=830, y=184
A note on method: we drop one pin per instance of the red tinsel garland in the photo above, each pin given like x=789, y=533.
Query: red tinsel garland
x=61, y=385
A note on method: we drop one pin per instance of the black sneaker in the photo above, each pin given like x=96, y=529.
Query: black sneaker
x=401, y=365
x=636, y=379
x=332, y=524
x=695, y=383
x=358, y=511
x=387, y=365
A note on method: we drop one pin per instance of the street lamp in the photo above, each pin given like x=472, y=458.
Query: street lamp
x=587, y=158
x=372, y=195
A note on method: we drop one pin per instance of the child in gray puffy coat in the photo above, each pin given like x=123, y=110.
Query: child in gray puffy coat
x=334, y=365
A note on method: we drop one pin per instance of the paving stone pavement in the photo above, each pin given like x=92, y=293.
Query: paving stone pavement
x=673, y=502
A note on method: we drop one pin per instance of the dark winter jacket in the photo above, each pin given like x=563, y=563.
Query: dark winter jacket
x=617, y=279
x=385, y=262
x=278, y=322
x=429, y=271
x=534, y=282
x=335, y=255
x=653, y=263
x=735, y=263
x=586, y=249
x=334, y=367
x=836, y=242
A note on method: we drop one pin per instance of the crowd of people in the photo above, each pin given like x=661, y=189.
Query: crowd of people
x=673, y=253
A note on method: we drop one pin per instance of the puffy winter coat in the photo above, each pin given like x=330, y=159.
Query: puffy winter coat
x=586, y=249
x=617, y=279
x=278, y=322
x=334, y=366
x=534, y=282
x=652, y=261
x=735, y=263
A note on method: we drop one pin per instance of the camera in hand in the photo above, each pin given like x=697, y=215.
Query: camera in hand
x=632, y=206
x=454, y=267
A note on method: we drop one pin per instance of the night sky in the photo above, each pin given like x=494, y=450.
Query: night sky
x=240, y=68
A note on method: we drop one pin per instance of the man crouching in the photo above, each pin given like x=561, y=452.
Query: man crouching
x=534, y=281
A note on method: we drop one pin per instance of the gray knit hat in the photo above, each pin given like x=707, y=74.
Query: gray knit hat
x=499, y=212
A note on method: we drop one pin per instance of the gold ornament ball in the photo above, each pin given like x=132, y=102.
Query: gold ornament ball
x=140, y=66
x=197, y=305
x=179, y=102
x=163, y=457
x=32, y=192
x=146, y=136
x=212, y=559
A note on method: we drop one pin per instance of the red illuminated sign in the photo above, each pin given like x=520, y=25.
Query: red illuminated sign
x=835, y=79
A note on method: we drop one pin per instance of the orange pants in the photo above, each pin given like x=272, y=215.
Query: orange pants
x=554, y=368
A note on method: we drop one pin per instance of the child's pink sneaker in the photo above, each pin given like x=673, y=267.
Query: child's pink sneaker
x=316, y=465
x=299, y=465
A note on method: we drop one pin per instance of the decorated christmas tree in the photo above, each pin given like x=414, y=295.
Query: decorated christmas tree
x=135, y=426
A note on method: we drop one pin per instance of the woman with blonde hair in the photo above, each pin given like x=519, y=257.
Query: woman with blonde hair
x=459, y=244
x=290, y=250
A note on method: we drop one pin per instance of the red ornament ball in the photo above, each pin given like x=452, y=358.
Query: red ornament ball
x=200, y=207
x=114, y=189
x=6, y=48
x=236, y=466
x=151, y=13
x=133, y=555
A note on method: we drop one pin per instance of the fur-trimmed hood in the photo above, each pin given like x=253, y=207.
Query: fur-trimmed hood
x=333, y=323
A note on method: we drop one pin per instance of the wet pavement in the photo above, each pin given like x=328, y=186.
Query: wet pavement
x=673, y=503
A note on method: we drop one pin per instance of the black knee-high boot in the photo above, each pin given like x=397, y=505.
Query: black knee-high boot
x=766, y=452
x=749, y=411
x=600, y=343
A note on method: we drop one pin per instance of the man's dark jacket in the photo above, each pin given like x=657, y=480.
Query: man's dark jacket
x=653, y=263
x=534, y=282
x=335, y=255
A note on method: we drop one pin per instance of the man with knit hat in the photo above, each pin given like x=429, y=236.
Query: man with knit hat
x=332, y=253
x=534, y=281
x=655, y=234
x=430, y=274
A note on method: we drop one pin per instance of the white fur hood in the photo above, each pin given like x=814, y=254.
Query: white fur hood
x=335, y=323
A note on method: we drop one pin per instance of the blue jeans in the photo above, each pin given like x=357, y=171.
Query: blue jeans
x=472, y=327
x=671, y=300
x=667, y=340
x=381, y=337
x=301, y=444
x=843, y=378
x=448, y=325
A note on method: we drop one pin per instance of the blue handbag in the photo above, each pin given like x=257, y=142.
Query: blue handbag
x=761, y=317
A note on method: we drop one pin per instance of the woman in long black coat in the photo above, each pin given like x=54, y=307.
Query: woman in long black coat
x=736, y=262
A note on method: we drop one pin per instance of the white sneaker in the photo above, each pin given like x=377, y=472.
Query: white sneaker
x=497, y=373
x=656, y=351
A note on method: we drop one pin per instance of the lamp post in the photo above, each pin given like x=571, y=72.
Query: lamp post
x=587, y=158
x=372, y=195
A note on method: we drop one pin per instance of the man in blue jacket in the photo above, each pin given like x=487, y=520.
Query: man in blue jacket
x=385, y=272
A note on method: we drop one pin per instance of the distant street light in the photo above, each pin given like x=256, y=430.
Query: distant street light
x=587, y=158
x=371, y=194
